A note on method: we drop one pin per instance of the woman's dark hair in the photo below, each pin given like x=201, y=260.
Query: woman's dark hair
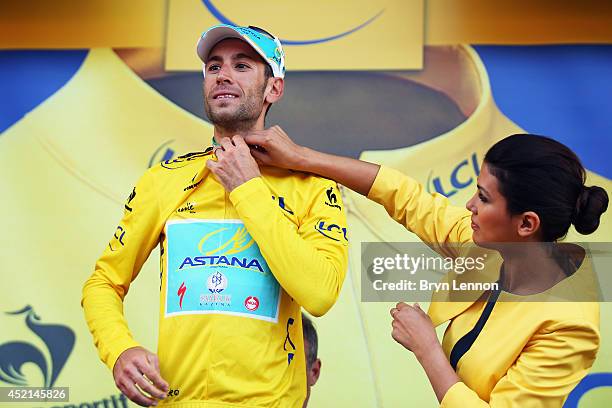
x=536, y=173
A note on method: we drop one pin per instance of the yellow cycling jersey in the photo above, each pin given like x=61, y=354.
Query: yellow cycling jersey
x=235, y=271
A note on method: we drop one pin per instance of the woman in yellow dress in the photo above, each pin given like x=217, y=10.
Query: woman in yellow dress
x=505, y=349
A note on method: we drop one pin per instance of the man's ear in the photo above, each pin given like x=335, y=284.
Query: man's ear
x=314, y=372
x=275, y=89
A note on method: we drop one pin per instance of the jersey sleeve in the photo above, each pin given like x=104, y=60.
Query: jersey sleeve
x=546, y=371
x=103, y=293
x=310, y=260
x=430, y=216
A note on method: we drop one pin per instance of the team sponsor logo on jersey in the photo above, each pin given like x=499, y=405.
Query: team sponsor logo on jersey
x=215, y=299
x=185, y=160
x=332, y=231
x=282, y=204
x=332, y=199
x=216, y=283
x=218, y=260
x=173, y=393
x=239, y=242
x=251, y=303
x=193, y=183
x=129, y=200
x=288, y=345
x=188, y=207
x=181, y=294
x=209, y=246
x=221, y=260
x=118, y=239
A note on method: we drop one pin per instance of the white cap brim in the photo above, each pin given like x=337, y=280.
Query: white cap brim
x=213, y=36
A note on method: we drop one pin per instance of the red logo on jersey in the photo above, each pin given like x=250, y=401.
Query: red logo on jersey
x=181, y=293
x=251, y=303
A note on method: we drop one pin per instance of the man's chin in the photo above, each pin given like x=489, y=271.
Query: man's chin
x=232, y=121
x=225, y=103
x=222, y=116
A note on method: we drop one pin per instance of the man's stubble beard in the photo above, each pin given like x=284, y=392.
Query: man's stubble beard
x=242, y=119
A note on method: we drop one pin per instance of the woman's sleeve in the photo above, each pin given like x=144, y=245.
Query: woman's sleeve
x=546, y=371
x=430, y=216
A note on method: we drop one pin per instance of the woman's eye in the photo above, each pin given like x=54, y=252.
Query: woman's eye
x=482, y=198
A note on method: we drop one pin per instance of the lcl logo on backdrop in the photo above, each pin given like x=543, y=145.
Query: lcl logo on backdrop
x=462, y=175
x=59, y=342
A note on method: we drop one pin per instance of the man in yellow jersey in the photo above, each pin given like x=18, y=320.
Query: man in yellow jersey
x=242, y=249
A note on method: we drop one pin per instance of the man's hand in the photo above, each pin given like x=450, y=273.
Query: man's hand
x=137, y=370
x=234, y=165
x=412, y=328
x=273, y=147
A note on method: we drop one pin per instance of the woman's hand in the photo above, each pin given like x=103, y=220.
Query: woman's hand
x=273, y=147
x=413, y=329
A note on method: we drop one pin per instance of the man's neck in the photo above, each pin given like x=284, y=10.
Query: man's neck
x=221, y=133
